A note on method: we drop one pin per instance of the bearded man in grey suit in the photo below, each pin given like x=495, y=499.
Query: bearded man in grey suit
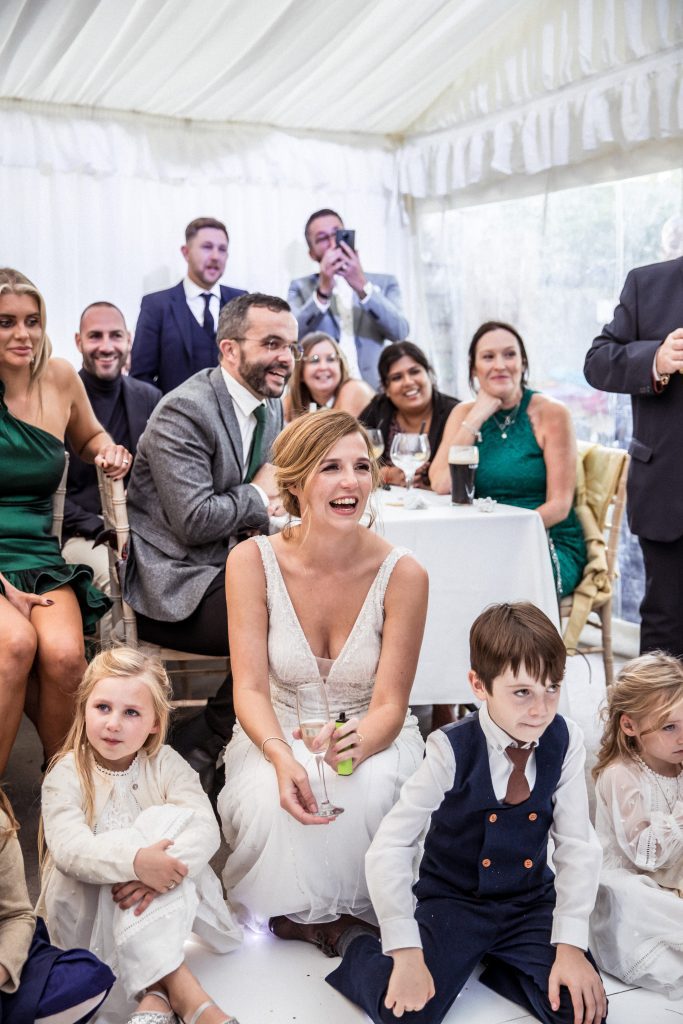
x=361, y=311
x=200, y=480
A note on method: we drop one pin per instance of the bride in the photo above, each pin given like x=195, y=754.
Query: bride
x=325, y=599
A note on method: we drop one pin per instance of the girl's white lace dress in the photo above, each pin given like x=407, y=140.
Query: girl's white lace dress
x=637, y=924
x=276, y=865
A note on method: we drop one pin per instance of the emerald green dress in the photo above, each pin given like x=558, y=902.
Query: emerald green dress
x=512, y=470
x=31, y=466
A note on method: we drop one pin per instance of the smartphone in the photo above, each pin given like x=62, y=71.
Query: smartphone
x=346, y=235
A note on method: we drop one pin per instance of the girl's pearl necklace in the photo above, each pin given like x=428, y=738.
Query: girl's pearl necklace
x=656, y=776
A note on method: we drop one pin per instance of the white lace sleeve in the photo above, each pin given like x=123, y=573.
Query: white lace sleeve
x=646, y=822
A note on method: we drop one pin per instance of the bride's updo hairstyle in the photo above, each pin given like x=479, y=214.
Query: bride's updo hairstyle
x=301, y=446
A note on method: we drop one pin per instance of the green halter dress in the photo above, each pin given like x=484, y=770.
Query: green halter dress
x=512, y=470
x=31, y=466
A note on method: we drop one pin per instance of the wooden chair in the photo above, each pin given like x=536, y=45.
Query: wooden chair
x=115, y=515
x=600, y=502
x=58, y=503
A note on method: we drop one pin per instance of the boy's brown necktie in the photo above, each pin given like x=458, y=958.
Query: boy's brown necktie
x=518, y=788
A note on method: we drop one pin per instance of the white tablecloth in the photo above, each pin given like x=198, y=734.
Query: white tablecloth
x=473, y=559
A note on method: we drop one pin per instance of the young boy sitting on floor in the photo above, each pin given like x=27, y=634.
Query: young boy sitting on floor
x=490, y=791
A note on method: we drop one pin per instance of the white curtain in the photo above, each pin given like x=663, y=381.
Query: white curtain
x=561, y=83
x=95, y=206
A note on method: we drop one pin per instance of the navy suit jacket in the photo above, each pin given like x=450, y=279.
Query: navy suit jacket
x=162, y=351
x=621, y=359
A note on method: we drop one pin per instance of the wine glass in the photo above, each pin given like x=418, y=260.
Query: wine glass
x=314, y=713
x=408, y=452
x=376, y=440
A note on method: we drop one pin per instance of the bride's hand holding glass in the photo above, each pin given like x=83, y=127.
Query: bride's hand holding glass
x=296, y=794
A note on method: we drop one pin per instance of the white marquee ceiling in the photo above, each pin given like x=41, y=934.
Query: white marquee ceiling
x=322, y=65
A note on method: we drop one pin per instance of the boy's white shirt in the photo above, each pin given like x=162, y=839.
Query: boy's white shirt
x=392, y=862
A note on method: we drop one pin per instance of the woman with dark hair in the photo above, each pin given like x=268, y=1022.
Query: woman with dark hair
x=321, y=379
x=527, y=448
x=410, y=403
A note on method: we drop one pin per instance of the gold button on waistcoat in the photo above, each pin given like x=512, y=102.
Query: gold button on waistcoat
x=528, y=863
x=486, y=863
x=493, y=817
x=533, y=816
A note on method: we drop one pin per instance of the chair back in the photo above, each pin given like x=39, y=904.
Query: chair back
x=601, y=481
x=58, y=503
x=115, y=516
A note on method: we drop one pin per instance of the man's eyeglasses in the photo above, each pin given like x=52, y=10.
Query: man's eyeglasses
x=316, y=360
x=276, y=346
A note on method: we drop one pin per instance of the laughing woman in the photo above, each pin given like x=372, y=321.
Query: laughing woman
x=321, y=379
x=327, y=599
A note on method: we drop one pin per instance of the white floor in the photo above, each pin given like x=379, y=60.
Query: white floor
x=268, y=980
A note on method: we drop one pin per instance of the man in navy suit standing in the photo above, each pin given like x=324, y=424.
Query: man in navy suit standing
x=641, y=354
x=175, y=335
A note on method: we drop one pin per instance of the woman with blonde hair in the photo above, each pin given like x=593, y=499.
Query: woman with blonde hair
x=326, y=599
x=321, y=379
x=45, y=604
x=637, y=924
x=129, y=833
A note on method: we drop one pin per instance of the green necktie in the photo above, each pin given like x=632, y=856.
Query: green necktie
x=256, y=450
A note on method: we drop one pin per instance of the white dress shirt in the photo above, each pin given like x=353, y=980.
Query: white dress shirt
x=344, y=293
x=392, y=862
x=244, y=404
x=193, y=294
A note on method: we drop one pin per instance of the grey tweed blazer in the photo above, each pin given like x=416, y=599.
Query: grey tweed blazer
x=186, y=498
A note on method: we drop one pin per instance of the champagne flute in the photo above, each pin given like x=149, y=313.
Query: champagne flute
x=376, y=440
x=314, y=713
x=408, y=452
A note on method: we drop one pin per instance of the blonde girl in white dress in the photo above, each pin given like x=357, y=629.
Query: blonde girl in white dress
x=129, y=834
x=330, y=599
x=637, y=924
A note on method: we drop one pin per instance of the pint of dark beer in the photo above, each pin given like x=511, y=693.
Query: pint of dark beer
x=463, y=460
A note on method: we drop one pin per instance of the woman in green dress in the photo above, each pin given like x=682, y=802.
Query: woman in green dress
x=45, y=604
x=527, y=448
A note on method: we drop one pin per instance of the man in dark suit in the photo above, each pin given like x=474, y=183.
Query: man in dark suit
x=360, y=311
x=641, y=353
x=123, y=407
x=175, y=334
x=201, y=478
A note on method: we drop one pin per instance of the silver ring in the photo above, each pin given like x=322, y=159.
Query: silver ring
x=126, y=461
x=360, y=737
x=171, y=885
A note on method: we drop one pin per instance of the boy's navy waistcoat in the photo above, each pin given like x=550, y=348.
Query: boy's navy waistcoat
x=479, y=847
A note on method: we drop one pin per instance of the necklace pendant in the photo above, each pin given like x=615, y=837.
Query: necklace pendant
x=504, y=436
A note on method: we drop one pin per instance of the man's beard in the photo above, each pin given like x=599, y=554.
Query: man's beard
x=254, y=375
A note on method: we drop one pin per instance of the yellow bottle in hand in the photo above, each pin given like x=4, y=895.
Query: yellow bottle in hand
x=344, y=767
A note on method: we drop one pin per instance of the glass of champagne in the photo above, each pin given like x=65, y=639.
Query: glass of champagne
x=314, y=713
x=408, y=452
x=376, y=440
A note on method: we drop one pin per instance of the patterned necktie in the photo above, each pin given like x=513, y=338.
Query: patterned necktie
x=256, y=450
x=518, y=788
x=208, y=325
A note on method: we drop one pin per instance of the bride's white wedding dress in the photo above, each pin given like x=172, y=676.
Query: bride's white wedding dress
x=276, y=865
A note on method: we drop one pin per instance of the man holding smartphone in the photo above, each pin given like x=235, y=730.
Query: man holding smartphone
x=361, y=311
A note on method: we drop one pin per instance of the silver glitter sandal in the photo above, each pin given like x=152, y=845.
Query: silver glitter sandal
x=154, y=1016
x=205, y=1006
